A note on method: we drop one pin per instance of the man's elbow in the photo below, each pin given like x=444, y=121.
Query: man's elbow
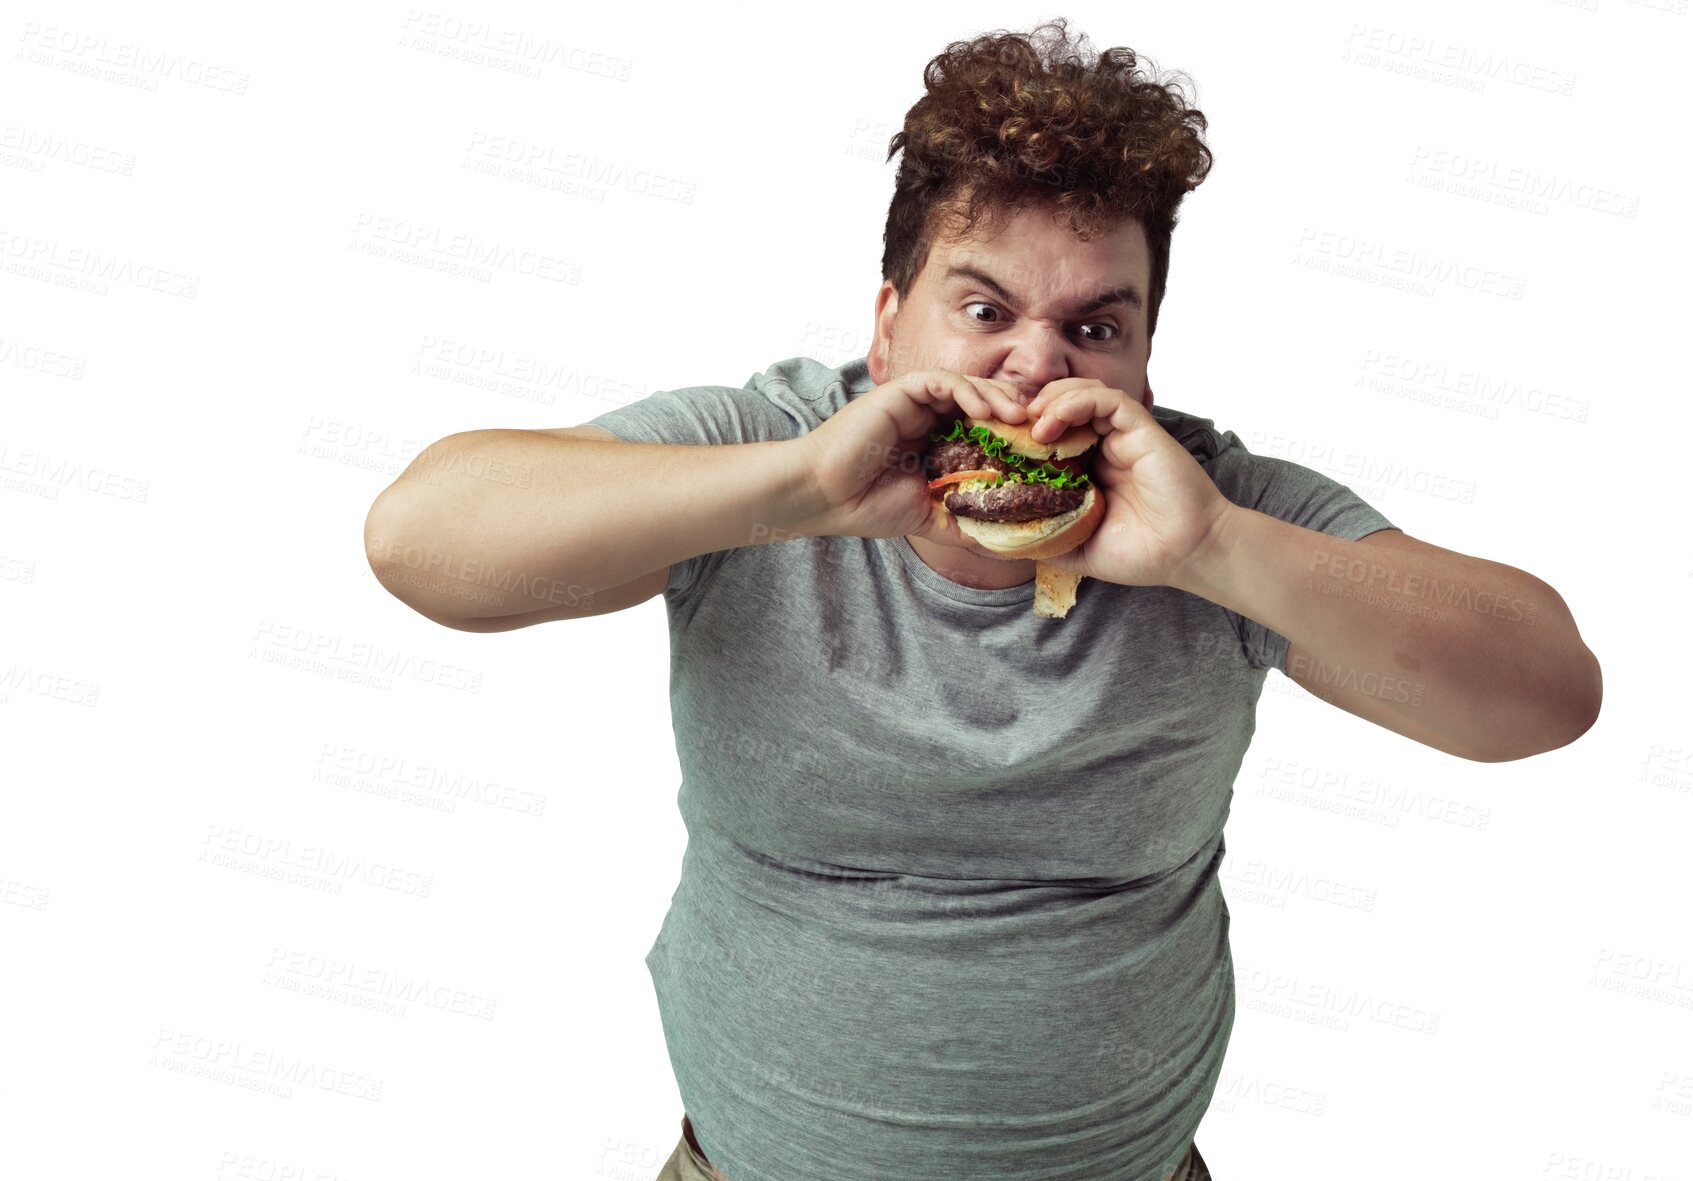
x=1571, y=709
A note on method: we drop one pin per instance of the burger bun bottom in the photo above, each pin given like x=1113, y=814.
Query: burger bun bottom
x=1044, y=538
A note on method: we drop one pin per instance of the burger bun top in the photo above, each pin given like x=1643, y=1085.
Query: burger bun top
x=1019, y=438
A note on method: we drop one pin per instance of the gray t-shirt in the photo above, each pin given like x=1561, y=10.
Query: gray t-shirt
x=949, y=906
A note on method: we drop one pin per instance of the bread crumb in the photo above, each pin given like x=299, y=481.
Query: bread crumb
x=1055, y=591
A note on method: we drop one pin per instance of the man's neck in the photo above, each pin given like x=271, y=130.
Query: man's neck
x=967, y=569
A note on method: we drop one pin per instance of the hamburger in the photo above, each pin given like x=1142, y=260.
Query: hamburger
x=1019, y=498
x=1011, y=495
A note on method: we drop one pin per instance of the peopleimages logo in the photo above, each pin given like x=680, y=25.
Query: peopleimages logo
x=511, y=50
x=39, y=360
x=1355, y=466
x=359, y=661
x=1424, y=379
x=96, y=54
x=1369, y=255
x=367, y=986
x=36, y=148
x=515, y=158
x=1494, y=180
x=255, y=1068
x=87, y=267
x=415, y=242
x=515, y=374
x=236, y=848
x=1431, y=59
x=56, y=472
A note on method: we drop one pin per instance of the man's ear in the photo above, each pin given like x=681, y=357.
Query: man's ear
x=887, y=308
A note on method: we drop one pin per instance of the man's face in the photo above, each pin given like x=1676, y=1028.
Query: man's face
x=1016, y=307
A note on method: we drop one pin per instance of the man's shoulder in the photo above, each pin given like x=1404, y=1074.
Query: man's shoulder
x=1199, y=435
x=808, y=386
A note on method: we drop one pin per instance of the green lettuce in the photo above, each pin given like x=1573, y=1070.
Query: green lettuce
x=1025, y=470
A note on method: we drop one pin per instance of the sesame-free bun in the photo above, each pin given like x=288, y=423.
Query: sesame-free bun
x=1018, y=437
x=1044, y=538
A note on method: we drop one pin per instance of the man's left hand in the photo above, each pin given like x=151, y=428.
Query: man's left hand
x=1162, y=512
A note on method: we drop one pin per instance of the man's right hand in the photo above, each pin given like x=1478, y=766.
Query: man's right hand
x=865, y=463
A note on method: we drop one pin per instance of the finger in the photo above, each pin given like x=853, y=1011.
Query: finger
x=974, y=397
x=940, y=527
x=1057, y=389
x=1002, y=395
x=1063, y=412
x=915, y=400
x=982, y=397
x=1080, y=405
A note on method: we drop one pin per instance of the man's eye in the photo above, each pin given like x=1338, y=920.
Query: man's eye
x=1110, y=329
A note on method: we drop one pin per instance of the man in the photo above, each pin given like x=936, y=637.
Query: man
x=949, y=907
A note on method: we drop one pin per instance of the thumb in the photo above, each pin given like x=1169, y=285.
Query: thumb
x=940, y=526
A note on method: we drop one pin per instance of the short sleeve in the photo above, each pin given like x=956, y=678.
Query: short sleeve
x=706, y=414
x=1290, y=492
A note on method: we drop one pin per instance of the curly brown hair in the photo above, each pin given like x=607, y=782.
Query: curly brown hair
x=1012, y=120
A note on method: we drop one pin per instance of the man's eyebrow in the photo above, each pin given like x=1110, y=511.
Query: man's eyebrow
x=1128, y=293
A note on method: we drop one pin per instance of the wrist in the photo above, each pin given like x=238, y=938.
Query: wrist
x=1204, y=568
x=800, y=505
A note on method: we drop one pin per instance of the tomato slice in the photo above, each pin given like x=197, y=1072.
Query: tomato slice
x=986, y=473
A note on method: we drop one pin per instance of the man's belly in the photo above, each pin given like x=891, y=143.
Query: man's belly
x=995, y=1032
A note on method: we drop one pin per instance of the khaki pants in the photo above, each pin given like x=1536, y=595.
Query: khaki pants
x=688, y=1163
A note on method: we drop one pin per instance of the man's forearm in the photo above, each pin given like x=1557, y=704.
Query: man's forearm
x=532, y=519
x=1501, y=667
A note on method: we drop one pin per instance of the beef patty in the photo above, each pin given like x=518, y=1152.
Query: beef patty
x=1011, y=502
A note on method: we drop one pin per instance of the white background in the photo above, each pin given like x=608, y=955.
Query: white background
x=210, y=370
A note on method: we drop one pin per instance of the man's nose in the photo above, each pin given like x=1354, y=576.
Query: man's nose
x=1037, y=351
